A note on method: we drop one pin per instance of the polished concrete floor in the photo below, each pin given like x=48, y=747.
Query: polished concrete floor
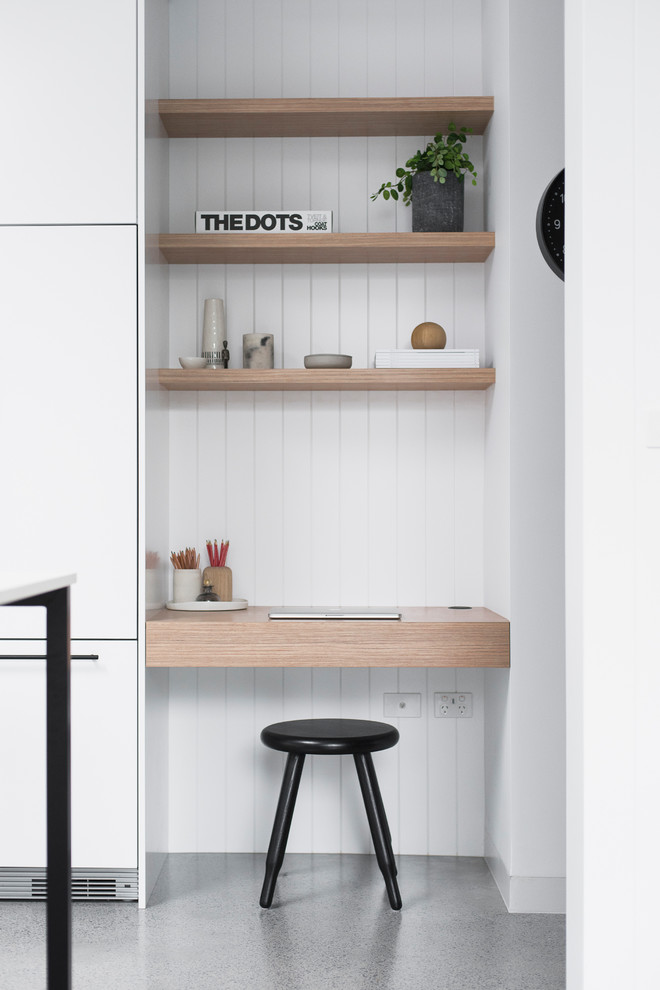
x=330, y=928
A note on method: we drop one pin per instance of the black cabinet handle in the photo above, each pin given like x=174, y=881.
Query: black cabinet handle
x=40, y=656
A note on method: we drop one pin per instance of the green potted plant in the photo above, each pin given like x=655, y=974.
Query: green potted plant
x=434, y=181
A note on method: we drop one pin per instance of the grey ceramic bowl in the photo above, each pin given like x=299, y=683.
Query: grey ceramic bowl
x=328, y=361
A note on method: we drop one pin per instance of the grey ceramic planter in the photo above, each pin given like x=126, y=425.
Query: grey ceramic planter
x=437, y=205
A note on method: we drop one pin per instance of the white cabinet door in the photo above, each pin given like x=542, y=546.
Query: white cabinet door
x=68, y=421
x=68, y=75
x=103, y=756
x=22, y=757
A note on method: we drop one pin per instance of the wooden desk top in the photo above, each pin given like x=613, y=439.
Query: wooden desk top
x=423, y=637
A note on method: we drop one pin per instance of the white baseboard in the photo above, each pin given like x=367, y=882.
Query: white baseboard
x=526, y=895
x=154, y=862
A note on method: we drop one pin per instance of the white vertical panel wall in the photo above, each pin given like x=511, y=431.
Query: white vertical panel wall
x=326, y=498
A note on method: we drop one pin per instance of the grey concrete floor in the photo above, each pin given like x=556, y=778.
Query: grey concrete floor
x=330, y=928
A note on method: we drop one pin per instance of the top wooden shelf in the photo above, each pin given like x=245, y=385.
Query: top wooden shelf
x=321, y=248
x=338, y=117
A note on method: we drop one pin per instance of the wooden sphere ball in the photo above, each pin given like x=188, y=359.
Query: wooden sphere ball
x=428, y=335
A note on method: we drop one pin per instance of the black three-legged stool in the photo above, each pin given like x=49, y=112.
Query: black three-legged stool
x=331, y=737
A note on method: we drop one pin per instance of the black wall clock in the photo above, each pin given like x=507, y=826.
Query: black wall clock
x=550, y=224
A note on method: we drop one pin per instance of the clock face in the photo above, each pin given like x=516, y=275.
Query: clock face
x=550, y=225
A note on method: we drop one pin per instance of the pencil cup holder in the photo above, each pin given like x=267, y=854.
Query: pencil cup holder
x=220, y=578
x=186, y=584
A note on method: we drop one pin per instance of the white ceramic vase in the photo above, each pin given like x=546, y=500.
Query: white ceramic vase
x=213, y=331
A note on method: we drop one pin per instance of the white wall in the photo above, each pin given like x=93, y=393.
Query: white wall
x=326, y=498
x=156, y=316
x=525, y=776
x=154, y=706
x=613, y=493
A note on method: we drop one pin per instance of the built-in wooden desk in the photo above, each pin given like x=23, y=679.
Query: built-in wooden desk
x=423, y=637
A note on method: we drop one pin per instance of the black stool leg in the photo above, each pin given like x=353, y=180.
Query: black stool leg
x=378, y=826
x=282, y=824
x=380, y=808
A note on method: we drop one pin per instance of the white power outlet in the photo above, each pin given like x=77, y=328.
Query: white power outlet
x=457, y=705
x=402, y=705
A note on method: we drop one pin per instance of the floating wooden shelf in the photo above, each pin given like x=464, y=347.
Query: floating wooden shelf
x=423, y=637
x=331, y=379
x=318, y=248
x=322, y=117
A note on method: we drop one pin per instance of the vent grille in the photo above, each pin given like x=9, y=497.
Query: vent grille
x=18, y=884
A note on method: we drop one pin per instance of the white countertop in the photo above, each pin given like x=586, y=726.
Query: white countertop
x=15, y=585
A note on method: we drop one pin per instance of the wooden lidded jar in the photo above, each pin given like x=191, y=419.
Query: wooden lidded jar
x=220, y=578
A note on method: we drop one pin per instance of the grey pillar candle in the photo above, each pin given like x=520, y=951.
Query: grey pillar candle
x=258, y=350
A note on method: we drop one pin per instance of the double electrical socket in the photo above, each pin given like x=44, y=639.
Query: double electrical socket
x=453, y=705
x=457, y=705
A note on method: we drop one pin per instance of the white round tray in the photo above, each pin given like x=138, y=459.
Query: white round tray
x=208, y=606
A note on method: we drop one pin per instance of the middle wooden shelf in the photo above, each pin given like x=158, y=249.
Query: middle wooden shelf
x=319, y=248
x=316, y=380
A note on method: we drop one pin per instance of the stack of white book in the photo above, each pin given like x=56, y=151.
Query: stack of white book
x=427, y=358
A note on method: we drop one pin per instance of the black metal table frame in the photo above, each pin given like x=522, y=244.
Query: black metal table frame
x=58, y=782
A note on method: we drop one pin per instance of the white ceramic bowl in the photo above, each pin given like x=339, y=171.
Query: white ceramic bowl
x=192, y=362
x=328, y=361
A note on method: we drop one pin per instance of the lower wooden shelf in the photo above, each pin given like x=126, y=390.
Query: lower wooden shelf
x=423, y=637
x=314, y=380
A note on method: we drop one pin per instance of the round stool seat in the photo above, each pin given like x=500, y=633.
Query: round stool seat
x=332, y=736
